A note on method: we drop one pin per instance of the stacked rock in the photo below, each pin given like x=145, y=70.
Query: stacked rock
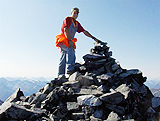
x=98, y=90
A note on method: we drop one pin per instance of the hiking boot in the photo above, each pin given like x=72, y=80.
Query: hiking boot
x=70, y=72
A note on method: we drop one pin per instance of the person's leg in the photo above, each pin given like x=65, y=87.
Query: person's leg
x=71, y=59
x=62, y=63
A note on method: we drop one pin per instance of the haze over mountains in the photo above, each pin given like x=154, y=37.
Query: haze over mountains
x=29, y=86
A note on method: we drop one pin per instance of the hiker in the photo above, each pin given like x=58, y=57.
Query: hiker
x=66, y=41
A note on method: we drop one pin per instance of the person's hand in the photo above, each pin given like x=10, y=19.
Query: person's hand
x=97, y=40
x=71, y=45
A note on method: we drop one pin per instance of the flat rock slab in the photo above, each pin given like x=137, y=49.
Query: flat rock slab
x=115, y=108
x=71, y=84
x=112, y=98
x=130, y=72
x=89, y=100
x=80, y=91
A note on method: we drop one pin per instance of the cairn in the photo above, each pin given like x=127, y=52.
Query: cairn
x=99, y=89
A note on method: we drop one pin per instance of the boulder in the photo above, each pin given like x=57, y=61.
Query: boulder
x=17, y=112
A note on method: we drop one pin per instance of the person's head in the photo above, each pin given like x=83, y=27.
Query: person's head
x=74, y=12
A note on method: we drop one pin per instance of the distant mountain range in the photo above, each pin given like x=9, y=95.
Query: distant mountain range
x=29, y=86
x=153, y=83
x=154, y=86
x=156, y=92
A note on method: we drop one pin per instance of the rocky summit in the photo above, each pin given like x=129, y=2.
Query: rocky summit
x=99, y=89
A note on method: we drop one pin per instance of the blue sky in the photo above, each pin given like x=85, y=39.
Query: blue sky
x=28, y=29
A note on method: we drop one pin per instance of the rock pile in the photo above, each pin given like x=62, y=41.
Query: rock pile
x=99, y=89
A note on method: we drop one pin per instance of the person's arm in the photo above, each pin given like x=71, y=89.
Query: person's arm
x=89, y=35
x=66, y=33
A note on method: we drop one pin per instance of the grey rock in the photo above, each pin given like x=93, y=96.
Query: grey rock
x=72, y=106
x=112, y=98
x=85, y=80
x=61, y=111
x=23, y=98
x=72, y=84
x=82, y=69
x=74, y=76
x=31, y=97
x=81, y=91
x=52, y=96
x=118, y=109
x=17, y=112
x=155, y=102
x=108, y=66
x=15, y=96
x=103, y=88
x=61, y=92
x=52, y=118
x=124, y=89
x=99, y=70
x=101, y=61
x=98, y=113
x=118, y=71
x=25, y=104
x=38, y=98
x=113, y=117
x=151, y=110
x=58, y=81
x=77, y=116
x=130, y=72
x=47, y=89
x=143, y=90
x=115, y=67
x=106, y=77
x=13, y=111
x=94, y=57
x=89, y=100
x=92, y=118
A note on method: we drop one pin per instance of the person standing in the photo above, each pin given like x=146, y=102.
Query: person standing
x=66, y=41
